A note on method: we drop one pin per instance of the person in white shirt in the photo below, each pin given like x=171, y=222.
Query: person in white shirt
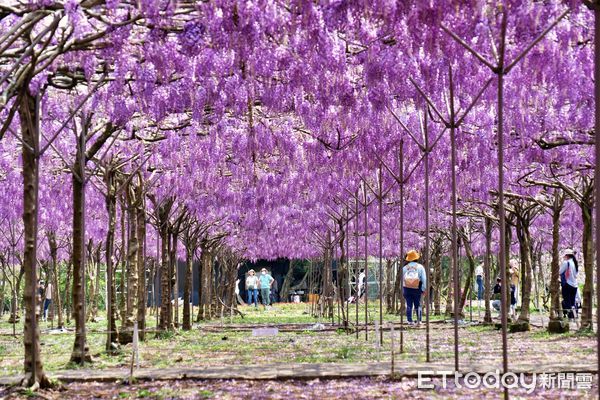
x=252, y=288
x=47, y=299
x=568, y=281
x=479, y=280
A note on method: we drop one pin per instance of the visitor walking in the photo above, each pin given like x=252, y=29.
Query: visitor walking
x=252, y=288
x=479, y=280
x=266, y=281
x=414, y=285
x=568, y=282
x=47, y=300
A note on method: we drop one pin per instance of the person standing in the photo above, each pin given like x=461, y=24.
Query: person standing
x=361, y=284
x=252, y=288
x=479, y=280
x=47, y=300
x=568, y=281
x=414, y=285
x=266, y=281
x=513, y=274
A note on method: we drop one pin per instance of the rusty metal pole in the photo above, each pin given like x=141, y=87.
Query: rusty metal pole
x=380, y=200
x=356, y=265
x=454, y=228
x=501, y=212
x=401, y=268
x=426, y=255
x=366, y=281
x=596, y=10
x=347, y=278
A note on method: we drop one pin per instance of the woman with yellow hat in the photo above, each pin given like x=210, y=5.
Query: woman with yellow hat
x=414, y=284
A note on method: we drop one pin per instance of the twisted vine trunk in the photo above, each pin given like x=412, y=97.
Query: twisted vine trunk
x=187, y=287
x=174, y=273
x=525, y=252
x=469, y=281
x=287, y=282
x=80, y=353
x=130, y=316
x=111, y=208
x=54, y=275
x=555, y=314
x=588, y=263
x=165, y=321
x=437, y=278
x=487, y=266
x=93, y=287
x=206, y=287
x=141, y=262
x=29, y=118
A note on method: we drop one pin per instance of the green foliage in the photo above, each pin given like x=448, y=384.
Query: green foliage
x=143, y=393
x=206, y=394
x=344, y=353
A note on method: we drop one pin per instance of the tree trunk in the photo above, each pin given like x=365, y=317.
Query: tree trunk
x=29, y=119
x=469, y=282
x=126, y=335
x=342, y=274
x=389, y=287
x=487, y=270
x=3, y=287
x=174, y=273
x=96, y=298
x=54, y=274
x=525, y=253
x=16, y=289
x=123, y=263
x=555, y=314
x=92, y=269
x=449, y=295
x=287, y=282
x=187, y=287
x=437, y=277
x=111, y=208
x=165, y=321
x=141, y=263
x=205, y=282
x=80, y=353
x=588, y=263
x=67, y=294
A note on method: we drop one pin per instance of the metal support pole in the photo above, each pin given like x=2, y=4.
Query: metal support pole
x=356, y=268
x=454, y=228
x=401, y=268
x=597, y=169
x=366, y=282
x=501, y=212
x=426, y=255
x=380, y=199
x=347, y=278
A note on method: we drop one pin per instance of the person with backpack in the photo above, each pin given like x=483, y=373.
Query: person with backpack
x=414, y=285
x=568, y=282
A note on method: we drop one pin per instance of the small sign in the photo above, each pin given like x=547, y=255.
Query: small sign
x=265, y=332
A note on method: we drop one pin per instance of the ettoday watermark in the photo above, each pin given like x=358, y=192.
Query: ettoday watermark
x=509, y=380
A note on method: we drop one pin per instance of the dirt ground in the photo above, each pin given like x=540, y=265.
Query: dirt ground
x=341, y=389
